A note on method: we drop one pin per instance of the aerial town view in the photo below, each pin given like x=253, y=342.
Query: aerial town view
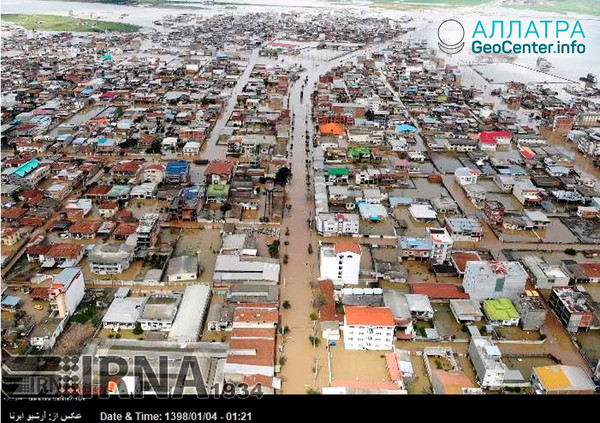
x=310, y=197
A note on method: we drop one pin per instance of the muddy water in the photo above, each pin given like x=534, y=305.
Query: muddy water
x=303, y=268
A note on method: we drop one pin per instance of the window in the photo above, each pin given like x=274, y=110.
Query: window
x=499, y=284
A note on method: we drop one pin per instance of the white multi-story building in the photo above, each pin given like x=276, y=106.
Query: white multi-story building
x=341, y=263
x=494, y=279
x=67, y=291
x=441, y=245
x=487, y=361
x=335, y=224
x=368, y=328
x=466, y=176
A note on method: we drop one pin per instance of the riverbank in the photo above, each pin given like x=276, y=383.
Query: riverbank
x=66, y=23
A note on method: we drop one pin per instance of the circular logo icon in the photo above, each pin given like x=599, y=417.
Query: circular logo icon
x=451, y=34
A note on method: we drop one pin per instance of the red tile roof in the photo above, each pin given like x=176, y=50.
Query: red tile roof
x=13, y=213
x=126, y=167
x=85, y=227
x=347, y=246
x=327, y=312
x=219, y=167
x=461, y=259
x=269, y=315
x=38, y=249
x=592, y=270
x=368, y=316
x=64, y=251
x=439, y=291
x=99, y=190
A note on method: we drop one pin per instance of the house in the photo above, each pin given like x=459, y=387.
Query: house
x=545, y=275
x=84, y=229
x=337, y=224
x=191, y=148
x=144, y=191
x=217, y=193
x=372, y=212
x=487, y=361
x=490, y=140
x=532, y=310
x=422, y=212
x=183, y=268
x=368, y=328
x=123, y=313
x=494, y=279
x=527, y=193
x=239, y=244
x=177, y=172
x=411, y=248
x=219, y=172
x=501, y=312
x=10, y=236
x=561, y=379
x=340, y=262
x=464, y=228
x=466, y=176
x=62, y=255
x=78, y=208
x=147, y=232
x=494, y=212
x=107, y=209
x=441, y=245
x=111, y=258
x=154, y=173
x=158, y=311
x=466, y=310
x=572, y=307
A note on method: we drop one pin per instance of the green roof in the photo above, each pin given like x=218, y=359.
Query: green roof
x=500, y=309
x=359, y=151
x=338, y=171
x=217, y=190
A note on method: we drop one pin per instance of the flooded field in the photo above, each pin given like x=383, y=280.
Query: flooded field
x=557, y=232
x=509, y=202
x=358, y=365
x=589, y=342
x=516, y=333
x=420, y=384
x=445, y=163
x=446, y=324
x=526, y=364
x=207, y=242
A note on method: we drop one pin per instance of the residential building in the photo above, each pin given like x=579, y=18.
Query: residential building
x=466, y=310
x=123, y=313
x=337, y=224
x=219, y=172
x=561, y=379
x=494, y=279
x=532, y=310
x=494, y=212
x=572, y=308
x=159, y=311
x=501, y=312
x=147, y=232
x=466, y=176
x=235, y=269
x=487, y=361
x=441, y=242
x=545, y=275
x=464, y=229
x=368, y=328
x=111, y=258
x=341, y=262
x=66, y=291
x=182, y=268
x=177, y=172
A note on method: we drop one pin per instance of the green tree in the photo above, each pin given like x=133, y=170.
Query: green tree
x=137, y=330
x=282, y=176
x=287, y=305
